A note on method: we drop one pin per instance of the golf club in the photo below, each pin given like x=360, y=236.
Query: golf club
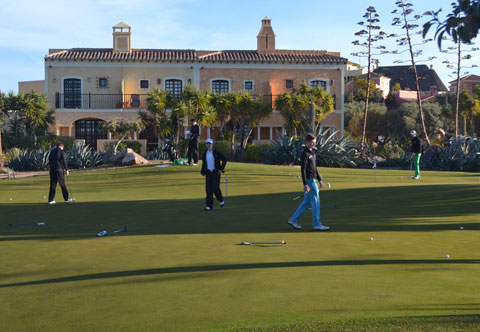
x=27, y=223
x=253, y=243
x=326, y=207
x=226, y=186
x=411, y=164
x=105, y=233
x=69, y=188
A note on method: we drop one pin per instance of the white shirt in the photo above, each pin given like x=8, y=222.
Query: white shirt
x=210, y=161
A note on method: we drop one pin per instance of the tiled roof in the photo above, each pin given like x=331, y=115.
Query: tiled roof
x=108, y=54
x=427, y=77
x=278, y=55
x=192, y=55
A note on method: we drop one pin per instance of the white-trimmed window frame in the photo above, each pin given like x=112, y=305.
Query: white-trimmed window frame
x=173, y=78
x=327, y=83
x=140, y=83
x=253, y=85
x=221, y=79
x=62, y=80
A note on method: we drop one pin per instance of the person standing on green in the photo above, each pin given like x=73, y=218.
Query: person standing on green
x=416, y=151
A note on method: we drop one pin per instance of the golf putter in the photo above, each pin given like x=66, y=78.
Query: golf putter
x=105, y=233
x=27, y=223
x=253, y=243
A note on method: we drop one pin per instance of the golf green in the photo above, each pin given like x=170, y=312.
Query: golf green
x=382, y=267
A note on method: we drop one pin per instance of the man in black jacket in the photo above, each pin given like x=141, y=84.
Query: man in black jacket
x=213, y=165
x=58, y=165
x=416, y=151
x=193, y=143
x=310, y=187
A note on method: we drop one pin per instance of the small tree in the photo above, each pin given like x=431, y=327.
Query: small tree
x=296, y=108
x=121, y=129
x=405, y=22
x=371, y=21
x=156, y=117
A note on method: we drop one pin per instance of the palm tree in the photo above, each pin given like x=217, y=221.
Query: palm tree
x=158, y=101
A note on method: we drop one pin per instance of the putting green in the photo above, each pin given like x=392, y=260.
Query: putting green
x=179, y=268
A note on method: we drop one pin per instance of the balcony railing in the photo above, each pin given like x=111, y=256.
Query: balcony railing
x=100, y=101
x=113, y=101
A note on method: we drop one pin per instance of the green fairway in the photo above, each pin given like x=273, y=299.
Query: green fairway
x=382, y=267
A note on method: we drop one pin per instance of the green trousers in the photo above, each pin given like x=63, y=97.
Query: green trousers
x=416, y=163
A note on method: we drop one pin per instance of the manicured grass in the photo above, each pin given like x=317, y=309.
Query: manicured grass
x=179, y=268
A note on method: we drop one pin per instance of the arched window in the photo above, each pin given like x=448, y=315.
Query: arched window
x=90, y=131
x=220, y=86
x=174, y=86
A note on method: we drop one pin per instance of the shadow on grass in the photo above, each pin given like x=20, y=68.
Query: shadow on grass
x=403, y=208
x=230, y=267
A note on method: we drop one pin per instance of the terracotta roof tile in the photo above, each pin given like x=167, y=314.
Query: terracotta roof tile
x=191, y=55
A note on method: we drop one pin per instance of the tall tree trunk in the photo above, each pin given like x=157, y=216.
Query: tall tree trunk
x=457, y=94
x=365, y=112
x=419, y=100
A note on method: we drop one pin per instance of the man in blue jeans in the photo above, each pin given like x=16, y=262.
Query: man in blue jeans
x=310, y=187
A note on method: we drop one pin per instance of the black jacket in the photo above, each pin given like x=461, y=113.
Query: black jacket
x=416, y=146
x=220, y=161
x=57, y=160
x=194, y=133
x=308, y=163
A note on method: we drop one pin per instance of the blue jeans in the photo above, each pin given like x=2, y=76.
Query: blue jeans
x=311, y=198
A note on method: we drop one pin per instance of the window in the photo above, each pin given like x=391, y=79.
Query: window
x=102, y=82
x=72, y=90
x=174, y=86
x=220, y=86
x=144, y=84
x=248, y=85
x=319, y=83
x=289, y=84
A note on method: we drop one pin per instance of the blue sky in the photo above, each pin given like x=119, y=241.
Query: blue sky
x=30, y=27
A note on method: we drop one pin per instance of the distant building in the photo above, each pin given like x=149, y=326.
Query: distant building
x=27, y=86
x=382, y=83
x=88, y=86
x=467, y=82
x=429, y=82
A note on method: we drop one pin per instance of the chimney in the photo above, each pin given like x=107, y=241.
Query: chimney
x=266, y=37
x=122, y=38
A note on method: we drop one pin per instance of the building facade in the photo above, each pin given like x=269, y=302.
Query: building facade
x=466, y=83
x=89, y=86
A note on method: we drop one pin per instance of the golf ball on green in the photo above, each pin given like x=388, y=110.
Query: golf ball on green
x=447, y=256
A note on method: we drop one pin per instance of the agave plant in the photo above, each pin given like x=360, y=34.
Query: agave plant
x=285, y=151
x=21, y=162
x=82, y=156
x=336, y=153
x=158, y=154
x=39, y=159
x=462, y=155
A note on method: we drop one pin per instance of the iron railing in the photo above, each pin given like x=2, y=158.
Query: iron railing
x=100, y=101
x=114, y=101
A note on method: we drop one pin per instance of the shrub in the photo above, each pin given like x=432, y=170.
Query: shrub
x=82, y=156
x=29, y=160
x=254, y=153
x=286, y=151
x=134, y=145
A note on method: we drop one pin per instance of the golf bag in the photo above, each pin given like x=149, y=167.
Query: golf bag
x=171, y=151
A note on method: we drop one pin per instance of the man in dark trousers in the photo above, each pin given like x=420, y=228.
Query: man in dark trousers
x=213, y=165
x=416, y=151
x=193, y=143
x=310, y=188
x=58, y=165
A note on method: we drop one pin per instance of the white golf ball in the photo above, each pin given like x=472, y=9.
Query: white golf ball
x=10, y=198
x=371, y=239
x=461, y=227
x=447, y=256
x=44, y=197
x=328, y=184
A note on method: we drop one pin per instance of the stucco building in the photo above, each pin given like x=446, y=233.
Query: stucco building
x=88, y=86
